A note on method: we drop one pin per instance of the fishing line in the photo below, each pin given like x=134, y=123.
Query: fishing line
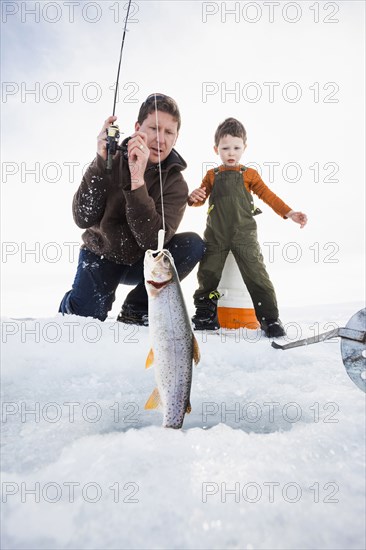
x=161, y=232
x=113, y=136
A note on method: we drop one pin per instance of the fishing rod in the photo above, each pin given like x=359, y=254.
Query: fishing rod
x=113, y=133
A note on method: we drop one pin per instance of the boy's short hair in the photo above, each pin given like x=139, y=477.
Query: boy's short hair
x=164, y=103
x=231, y=127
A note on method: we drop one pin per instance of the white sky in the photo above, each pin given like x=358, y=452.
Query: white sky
x=170, y=49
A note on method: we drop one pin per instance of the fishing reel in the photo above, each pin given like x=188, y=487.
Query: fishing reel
x=113, y=135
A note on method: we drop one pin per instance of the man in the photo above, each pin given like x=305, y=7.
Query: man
x=122, y=213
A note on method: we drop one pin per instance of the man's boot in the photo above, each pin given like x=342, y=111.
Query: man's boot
x=132, y=316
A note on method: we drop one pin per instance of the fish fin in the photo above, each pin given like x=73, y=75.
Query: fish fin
x=189, y=407
x=154, y=400
x=196, y=350
x=149, y=359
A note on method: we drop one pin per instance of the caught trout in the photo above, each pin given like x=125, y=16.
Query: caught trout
x=174, y=346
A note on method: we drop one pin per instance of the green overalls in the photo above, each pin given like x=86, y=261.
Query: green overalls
x=231, y=226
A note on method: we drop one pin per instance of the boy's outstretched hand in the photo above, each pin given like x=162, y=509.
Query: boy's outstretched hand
x=298, y=217
x=198, y=195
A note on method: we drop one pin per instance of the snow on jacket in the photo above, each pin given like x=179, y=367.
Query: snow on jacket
x=253, y=184
x=122, y=223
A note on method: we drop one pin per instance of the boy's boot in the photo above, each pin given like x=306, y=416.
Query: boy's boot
x=273, y=328
x=206, y=313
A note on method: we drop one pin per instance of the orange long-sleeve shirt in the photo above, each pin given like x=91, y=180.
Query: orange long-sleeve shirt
x=253, y=184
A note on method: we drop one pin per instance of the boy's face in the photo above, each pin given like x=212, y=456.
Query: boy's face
x=168, y=133
x=230, y=149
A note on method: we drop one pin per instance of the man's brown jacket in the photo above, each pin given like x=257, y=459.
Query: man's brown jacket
x=120, y=223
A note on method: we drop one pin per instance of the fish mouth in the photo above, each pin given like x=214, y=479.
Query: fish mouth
x=157, y=285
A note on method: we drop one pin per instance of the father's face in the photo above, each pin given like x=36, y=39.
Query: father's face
x=168, y=134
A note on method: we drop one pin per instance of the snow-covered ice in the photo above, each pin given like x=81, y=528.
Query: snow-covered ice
x=271, y=457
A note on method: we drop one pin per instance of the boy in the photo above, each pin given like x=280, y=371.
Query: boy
x=231, y=226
